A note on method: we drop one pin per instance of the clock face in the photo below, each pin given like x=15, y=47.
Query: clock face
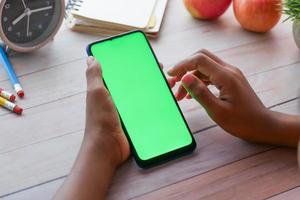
x=30, y=22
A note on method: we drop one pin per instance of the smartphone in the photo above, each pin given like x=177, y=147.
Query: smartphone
x=151, y=118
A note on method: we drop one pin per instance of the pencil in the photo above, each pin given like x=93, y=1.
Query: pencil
x=7, y=95
x=11, y=73
x=10, y=106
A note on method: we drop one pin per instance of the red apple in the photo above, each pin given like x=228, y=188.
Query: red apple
x=257, y=15
x=207, y=9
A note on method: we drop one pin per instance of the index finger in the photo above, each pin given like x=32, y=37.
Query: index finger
x=212, y=56
x=201, y=62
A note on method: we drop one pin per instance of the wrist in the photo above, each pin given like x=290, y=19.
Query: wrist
x=285, y=129
x=261, y=129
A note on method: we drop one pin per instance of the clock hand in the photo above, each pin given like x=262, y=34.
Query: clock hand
x=28, y=23
x=19, y=19
x=41, y=9
x=24, y=4
x=30, y=12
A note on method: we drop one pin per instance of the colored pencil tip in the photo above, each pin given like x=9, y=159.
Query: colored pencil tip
x=21, y=93
x=18, y=110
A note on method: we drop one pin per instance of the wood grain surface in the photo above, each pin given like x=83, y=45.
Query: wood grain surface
x=38, y=149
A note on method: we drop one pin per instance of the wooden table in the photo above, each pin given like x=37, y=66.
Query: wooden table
x=38, y=149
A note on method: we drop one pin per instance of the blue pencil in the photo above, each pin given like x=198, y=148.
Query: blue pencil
x=11, y=73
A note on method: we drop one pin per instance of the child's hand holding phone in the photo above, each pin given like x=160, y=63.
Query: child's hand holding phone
x=103, y=128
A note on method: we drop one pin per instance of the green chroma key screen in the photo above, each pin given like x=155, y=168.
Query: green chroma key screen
x=149, y=112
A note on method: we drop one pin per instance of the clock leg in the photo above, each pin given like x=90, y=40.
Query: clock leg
x=9, y=51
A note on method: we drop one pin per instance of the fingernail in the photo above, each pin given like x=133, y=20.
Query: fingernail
x=90, y=60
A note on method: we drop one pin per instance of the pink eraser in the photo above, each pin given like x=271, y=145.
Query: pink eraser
x=18, y=110
x=12, y=98
x=21, y=93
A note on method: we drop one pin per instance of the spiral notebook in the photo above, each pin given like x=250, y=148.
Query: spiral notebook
x=107, y=17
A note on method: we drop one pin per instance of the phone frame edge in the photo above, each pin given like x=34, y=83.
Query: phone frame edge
x=177, y=153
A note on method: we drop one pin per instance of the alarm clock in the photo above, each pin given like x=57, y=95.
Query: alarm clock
x=27, y=25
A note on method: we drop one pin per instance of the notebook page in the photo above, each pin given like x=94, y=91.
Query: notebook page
x=134, y=13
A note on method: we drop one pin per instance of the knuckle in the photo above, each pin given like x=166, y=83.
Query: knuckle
x=232, y=79
x=200, y=90
x=200, y=58
x=231, y=76
x=96, y=87
x=203, y=51
x=99, y=89
x=223, y=74
x=236, y=76
x=237, y=71
x=93, y=69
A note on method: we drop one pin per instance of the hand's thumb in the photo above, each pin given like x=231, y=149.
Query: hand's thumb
x=93, y=73
x=199, y=91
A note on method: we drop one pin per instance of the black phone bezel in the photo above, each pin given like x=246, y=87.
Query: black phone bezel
x=164, y=157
